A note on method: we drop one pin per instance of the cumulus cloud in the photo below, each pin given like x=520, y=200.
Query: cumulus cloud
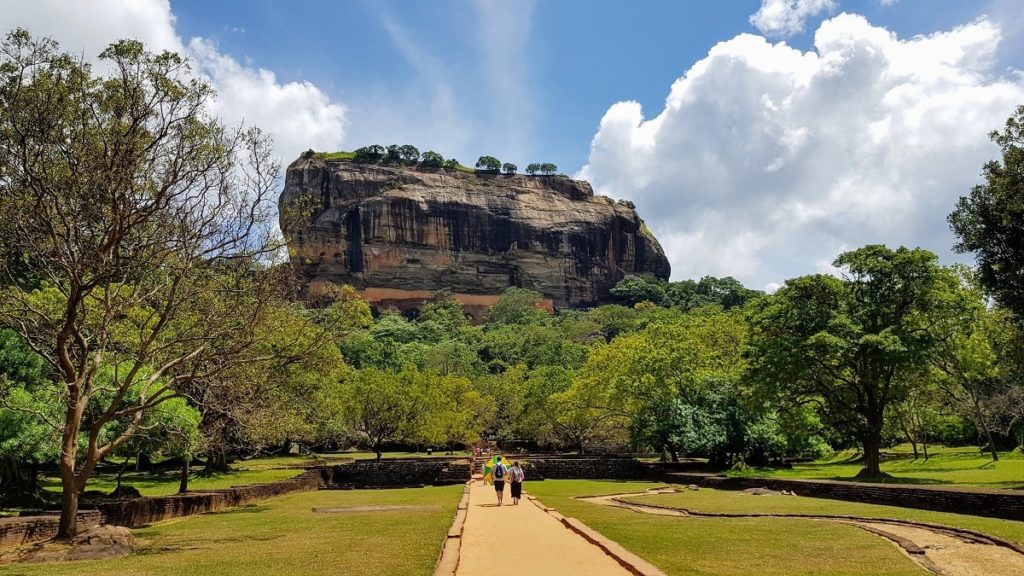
x=786, y=17
x=298, y=114
x=766, y=161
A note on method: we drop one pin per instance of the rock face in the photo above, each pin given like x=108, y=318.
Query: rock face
x=410, y=229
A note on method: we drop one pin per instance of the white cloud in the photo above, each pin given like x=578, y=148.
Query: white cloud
x=297, y=114
x=766, y=161
x=786, y=17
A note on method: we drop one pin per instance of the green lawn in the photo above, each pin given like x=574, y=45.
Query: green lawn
x=283, y=536
x=727, y=501
x=963, y=465
x=728, y=547
x=255, y=471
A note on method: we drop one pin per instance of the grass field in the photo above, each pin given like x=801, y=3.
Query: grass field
x=284, y=536
x=962, y=465
x=728, y=547
x=255, y=471
x=726, y=501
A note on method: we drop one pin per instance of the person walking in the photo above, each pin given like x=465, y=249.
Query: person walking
x=516, y=477
x=499, y=471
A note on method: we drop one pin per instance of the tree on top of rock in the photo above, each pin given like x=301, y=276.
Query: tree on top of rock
x=547, y=168
x=409, y=154
x=432, y=159
x=509, y=168
x=533, y=168
x=488, y=163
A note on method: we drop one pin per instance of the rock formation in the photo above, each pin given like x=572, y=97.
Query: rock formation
x=417, y=229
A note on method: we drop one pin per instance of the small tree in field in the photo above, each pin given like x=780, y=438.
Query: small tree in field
x=134, y=239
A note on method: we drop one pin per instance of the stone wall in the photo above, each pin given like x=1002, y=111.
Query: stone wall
x=398, y=473
x=141, y=511
x=16, y=531
x=993, y=503
x=588, y=468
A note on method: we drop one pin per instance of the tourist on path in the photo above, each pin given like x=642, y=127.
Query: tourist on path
x=499, y=472
x=515, y=478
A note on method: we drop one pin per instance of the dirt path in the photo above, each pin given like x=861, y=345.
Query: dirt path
x=947, y=552
x=524, y=539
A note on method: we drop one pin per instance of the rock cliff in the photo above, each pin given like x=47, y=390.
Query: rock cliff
x=417, y=229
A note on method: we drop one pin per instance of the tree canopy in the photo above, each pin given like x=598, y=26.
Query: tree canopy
x=990, y=221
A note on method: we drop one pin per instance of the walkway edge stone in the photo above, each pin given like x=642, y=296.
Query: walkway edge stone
x=448, y=561
x=631, y=562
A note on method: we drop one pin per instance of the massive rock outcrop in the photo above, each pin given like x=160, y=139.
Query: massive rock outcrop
x=417, y=229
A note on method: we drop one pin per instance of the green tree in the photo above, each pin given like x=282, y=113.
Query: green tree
x=854, y=345
x=432, y=159
x=457, y=414
x=384, y=407
x=126, y=196
x=509, y=168
x=370, y=154
x=517, y=306
x=533, y=168
x=409, y=154
x=451, y=164
x=547, y=168
x=27, y=400
x=990, y=221
x=393, y=154
x=976, y=350
x=488, y=163
x=636, y=289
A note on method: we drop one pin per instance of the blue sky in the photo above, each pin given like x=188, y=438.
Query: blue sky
x=578, y=57
x=758, y=138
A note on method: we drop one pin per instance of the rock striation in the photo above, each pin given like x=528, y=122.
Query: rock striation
x=401, y=228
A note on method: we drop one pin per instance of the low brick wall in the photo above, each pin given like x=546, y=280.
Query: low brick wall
x=370, y=473
x=141, y=511
x=993, y=503
x=16, y=531
x=585, y=468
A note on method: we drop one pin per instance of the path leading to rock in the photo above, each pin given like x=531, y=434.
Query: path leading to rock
x=524, y=539
x=943, y=551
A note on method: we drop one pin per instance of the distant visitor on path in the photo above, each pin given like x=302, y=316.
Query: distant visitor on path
x=495, y=470
x=515, y=478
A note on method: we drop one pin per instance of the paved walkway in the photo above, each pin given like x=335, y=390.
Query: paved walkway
x=525, y=540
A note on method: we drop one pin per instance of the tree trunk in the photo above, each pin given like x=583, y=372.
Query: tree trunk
x=872, y=442
x=673, y=453
x=71, y=483
x=217, y=461
x=988, y=433
x=924, y=444
x=913, y=444
x=183, y=480
x=68, y=526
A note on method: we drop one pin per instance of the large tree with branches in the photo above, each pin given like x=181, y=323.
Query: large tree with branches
x=135, y=239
